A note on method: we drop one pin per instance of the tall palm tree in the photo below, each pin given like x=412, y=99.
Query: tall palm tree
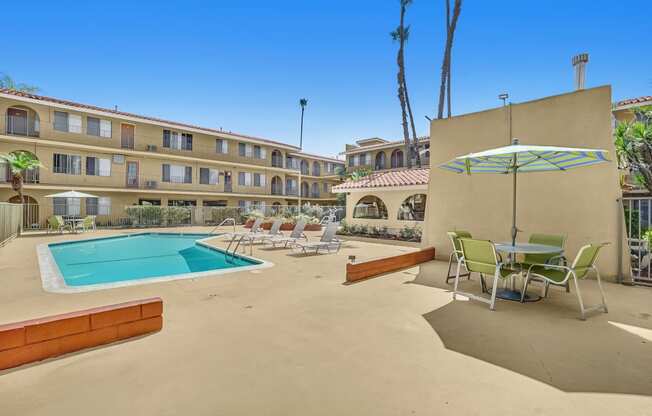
x=303, y=102
x=451, y=24
x=8, y=82
x=19, y=163
x=400, y=35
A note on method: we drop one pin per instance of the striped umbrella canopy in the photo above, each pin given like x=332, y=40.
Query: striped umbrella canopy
x=517, y=158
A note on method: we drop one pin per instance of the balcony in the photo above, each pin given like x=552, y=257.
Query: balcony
x=291, y=190
x=22, y=126
x=277, y=190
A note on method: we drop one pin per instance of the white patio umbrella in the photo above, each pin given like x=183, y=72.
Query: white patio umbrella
x=70, y=194
x=517, y=158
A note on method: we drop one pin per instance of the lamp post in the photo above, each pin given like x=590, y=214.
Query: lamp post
x=303, y=102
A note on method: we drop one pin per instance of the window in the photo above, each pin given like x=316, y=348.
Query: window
x=245, y=178
x=69, y=164
x=259, y=180
x=208, y=176
x=182, y=203
x=260, y=152
x=98, y=127
x=316, y=169
x=176, y=174
x=98, y=167
x=221, y=146
x=292, y=163
x=413, y=208
x=380, y=161
x=304, y=168
x=247, y=150
x=277, y=159
x=177, y=141
x=66, y=206
x=98, y=206
x=351, y=161
x=314, y=190
x=61, y=121
x=5, y=175
x=291, y=186
x=397, y=159
x=251, y=205
x=325, y=188
x=370, y=207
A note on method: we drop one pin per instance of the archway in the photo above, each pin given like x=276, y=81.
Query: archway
x=305, y=189
x=277, y=185
x=277, y=159
x=30, y=210
x=314, y=190
x=380, y=161
x=370, y=207
x=316, y=169
x=23, y=121
x=413, y=208
x=305, y=170
x=397, y=159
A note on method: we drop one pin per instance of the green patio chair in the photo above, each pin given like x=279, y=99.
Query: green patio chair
x=559, y=275
x=87, y=224
x=456, y=254
x=558, y=259
x=56, y=223
x=480, y=256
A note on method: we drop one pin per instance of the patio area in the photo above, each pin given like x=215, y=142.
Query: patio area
x=292, y=339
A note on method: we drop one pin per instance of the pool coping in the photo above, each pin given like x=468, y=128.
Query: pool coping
x=52, y=279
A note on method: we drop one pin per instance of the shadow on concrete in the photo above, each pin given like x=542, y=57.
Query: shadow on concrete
x=547, y=342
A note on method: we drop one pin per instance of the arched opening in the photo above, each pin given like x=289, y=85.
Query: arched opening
x=305, y=189
x=23, y=121
x=397, y=159
x=29, y=176
x=413, y=208
x=380, y=161
x=305, y=169
x=276, y=208
x=316, y=169
x=315, y=190
x=277, y=185
x=370, y=207
x=30, y=210
x=277, y=159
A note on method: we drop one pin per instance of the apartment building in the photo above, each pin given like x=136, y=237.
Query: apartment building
x=379, y=154
x=128, y=159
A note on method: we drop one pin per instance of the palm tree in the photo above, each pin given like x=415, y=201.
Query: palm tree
x=633, y=142
x=19, y=163
x=400, y=35
x=8, y=82
x=303, y=102
x=451, y=24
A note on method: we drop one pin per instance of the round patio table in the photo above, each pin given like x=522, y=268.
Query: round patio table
x=522, y=248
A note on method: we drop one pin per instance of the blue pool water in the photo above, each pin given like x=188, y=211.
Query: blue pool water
x=139, y=256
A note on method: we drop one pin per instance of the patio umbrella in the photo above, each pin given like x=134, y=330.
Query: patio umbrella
x=517, y=158
x=70, y=194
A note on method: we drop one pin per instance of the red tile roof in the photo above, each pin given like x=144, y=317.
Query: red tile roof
x=122, y=113
x=638, y=100
x=392, y=178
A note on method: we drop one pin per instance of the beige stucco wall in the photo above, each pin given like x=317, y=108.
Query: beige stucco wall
x=580, y=203
x=393, y=199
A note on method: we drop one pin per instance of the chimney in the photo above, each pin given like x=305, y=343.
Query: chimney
x=579, y=63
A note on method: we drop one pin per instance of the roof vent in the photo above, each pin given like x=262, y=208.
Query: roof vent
x=579, y=63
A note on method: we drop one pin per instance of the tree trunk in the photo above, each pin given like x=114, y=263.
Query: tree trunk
x=445, y=68
x=415, y=138
x=17, y=185
x=401, y=85
x=448, y=69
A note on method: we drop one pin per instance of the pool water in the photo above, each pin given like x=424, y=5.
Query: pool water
x=138, y=256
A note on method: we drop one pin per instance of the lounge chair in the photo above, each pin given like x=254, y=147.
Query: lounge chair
x=255, y=228
x=549, y=240
x=328, y=241
x=56, y=223
x=480, y=256
x=559, y=275
x=87, y=224
x=456, y=254
x=296, y=234
x=274, y=231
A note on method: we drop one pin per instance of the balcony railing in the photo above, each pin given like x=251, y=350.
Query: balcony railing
x=30, y=176
x=277, y=190
x=291, y=190
x=22, y=126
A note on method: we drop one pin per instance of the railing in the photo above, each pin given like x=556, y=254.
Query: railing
x=145, y=216
x=11, y=216
x=638, y=229
x=291, y=190
x=23, y=126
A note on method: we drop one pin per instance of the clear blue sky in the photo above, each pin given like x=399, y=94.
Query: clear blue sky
x=244, y=65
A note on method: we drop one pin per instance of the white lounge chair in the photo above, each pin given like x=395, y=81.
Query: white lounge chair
x=255, y=228
x=274, y=231
x=327, y=242
x=295, y=235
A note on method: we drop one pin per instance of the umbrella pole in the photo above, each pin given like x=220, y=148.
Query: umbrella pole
x=514, y=229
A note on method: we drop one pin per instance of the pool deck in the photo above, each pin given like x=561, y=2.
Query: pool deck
x=293, y=340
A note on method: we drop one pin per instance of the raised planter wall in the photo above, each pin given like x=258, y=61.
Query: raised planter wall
x=38, y=339
x=372, y=268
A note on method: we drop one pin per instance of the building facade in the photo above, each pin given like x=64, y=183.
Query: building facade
x=380, y=155
x=127, y=159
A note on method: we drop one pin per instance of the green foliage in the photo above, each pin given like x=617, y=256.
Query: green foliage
x=8, y=82
x=633, y=142
x=360, y=173
x=410, y=233
x=20, y=161
x=152, y=215
x=219, y=214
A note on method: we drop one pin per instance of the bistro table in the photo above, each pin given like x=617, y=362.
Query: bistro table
x=73, y=221
x=522, y=248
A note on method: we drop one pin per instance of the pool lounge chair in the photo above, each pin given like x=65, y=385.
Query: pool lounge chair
x=296, y=234
x=559, y=275
x=327, y=242
x=255, y=228
x=274, y=231
x=479, y=256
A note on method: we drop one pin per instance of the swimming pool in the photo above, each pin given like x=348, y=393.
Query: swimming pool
x=123, y=260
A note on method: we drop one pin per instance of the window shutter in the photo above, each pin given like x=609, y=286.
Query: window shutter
x=73, y=206
x=263, y=180
x=256, y=179
x=75, y=165
x=263, y=153
x=166, y=138
x=90, y=166
x=105, y=128
x=93, y=126
x=241, y=178
x=105, y=167
x=188, y=176
x=74, y=123
x=104, y=206
x=242, y=149
x=204, y=176
x=214, y=176
x=166, y=173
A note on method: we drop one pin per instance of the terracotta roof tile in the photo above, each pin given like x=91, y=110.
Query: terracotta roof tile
x=122, y=113
x=638, y=100
x=393, y=178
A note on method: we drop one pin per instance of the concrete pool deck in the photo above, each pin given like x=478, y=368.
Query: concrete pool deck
x=293, y=340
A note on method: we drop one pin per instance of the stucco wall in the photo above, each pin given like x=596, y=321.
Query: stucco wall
x=392, y=199
x=580, y=203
